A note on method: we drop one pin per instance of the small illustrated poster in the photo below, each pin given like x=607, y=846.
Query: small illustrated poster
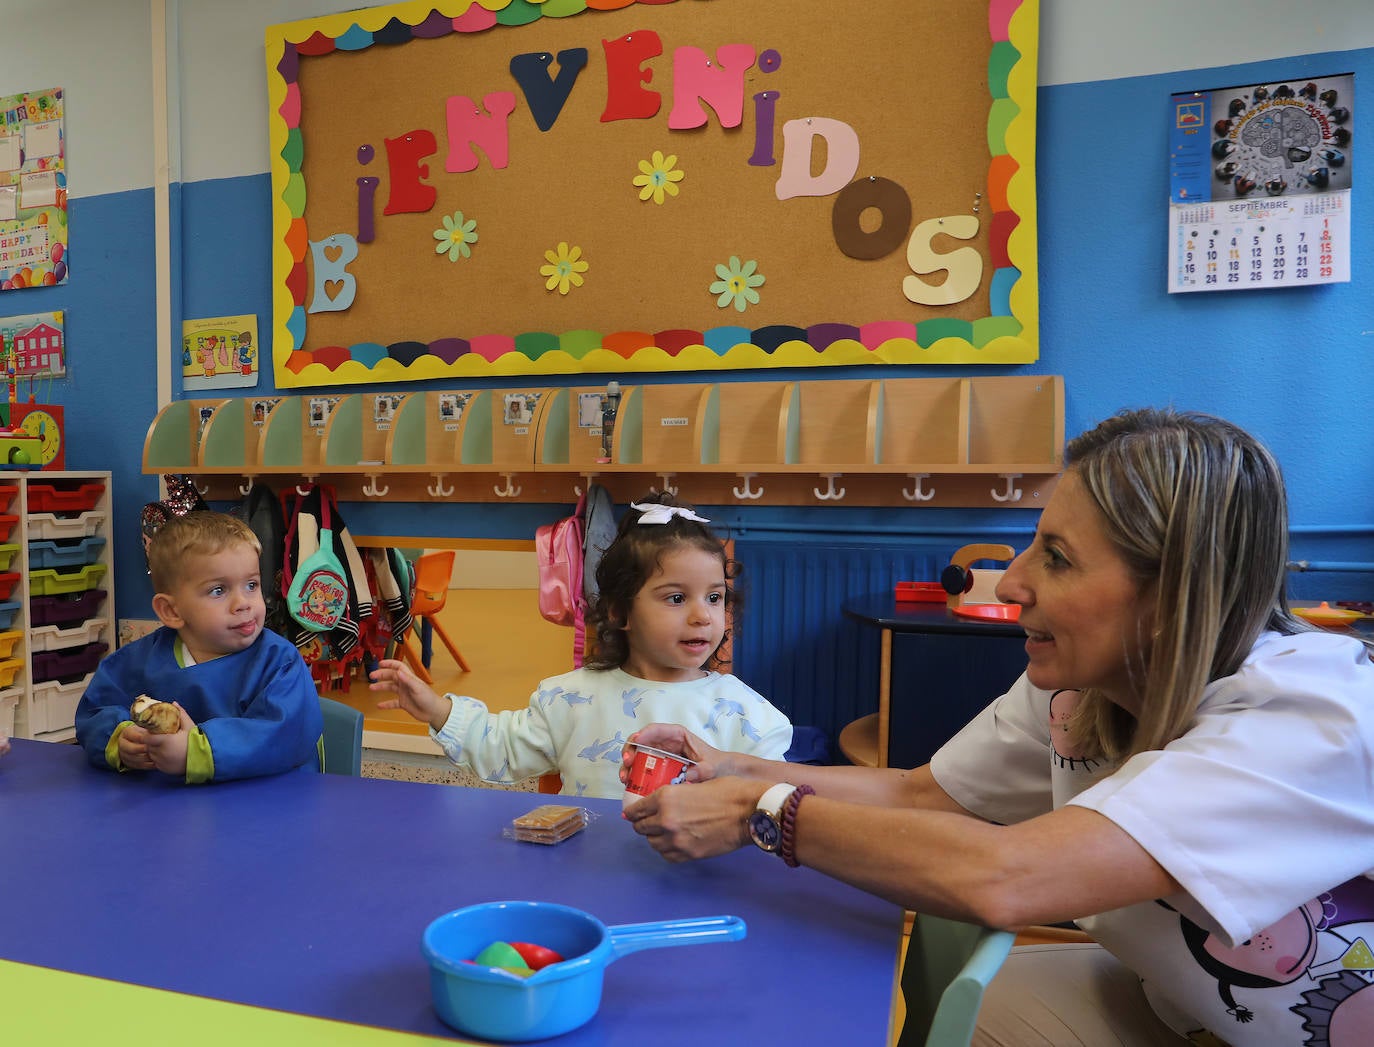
x=38, y=342
x=1260, y=181
x=219, y=352
x=33, y=190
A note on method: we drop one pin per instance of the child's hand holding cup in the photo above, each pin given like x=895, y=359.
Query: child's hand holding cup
x=650, y=769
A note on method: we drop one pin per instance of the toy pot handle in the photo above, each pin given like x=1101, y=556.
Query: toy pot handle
x=631, y=937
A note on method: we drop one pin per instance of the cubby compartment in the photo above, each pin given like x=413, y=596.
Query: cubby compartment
x=56, y=637
x=8, y=581
x=10, y=639
x=65, y=552
x=76, y=498
x=65, y=609
x=8, y=704
x=51, y=582
x=10, y=668
x=67, y=663
x=9, y=613
x=52, y=705
x=54, y=526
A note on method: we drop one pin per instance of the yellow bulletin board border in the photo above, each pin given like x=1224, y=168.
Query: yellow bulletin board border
x=1006, y=332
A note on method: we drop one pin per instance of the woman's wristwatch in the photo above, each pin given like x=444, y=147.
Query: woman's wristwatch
x=765, y=824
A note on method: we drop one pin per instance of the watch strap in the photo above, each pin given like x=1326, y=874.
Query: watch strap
x=788, y=850
x=773, y=800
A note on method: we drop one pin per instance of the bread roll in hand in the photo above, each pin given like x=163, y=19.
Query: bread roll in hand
x=157, y=717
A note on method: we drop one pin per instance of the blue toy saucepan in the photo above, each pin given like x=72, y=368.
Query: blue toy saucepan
x=497, y=1004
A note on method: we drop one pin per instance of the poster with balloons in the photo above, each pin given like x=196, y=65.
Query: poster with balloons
x=1260, y=180
x=33, y=190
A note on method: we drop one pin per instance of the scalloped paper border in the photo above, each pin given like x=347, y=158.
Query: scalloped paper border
x=1009, y=336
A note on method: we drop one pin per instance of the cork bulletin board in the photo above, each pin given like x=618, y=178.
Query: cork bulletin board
x=508, y=187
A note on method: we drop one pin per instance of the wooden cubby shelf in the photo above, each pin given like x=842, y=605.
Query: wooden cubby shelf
x=993, y=442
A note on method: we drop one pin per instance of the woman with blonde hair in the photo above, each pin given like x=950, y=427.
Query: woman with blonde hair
x=1185, y=769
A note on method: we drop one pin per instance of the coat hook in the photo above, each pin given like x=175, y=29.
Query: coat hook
x=203, y=490
x=437, y=489
x=371, y=490
x=830, y=494
x=1012, y=492
x=510, y=490
x=747, y=493
x=668, y=488
x=918, y=492
x=246, y=486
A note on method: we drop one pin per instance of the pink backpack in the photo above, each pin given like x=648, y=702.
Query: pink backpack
x=558, y=547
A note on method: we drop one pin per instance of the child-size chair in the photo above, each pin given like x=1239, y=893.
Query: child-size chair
x=948, y=965
x=343, y=738
x=432, y=574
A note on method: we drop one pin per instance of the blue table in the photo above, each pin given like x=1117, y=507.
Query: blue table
x=309, y=893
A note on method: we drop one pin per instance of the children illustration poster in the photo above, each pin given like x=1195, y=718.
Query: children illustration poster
x=39, y=344
x=1260, y=182
x=484, y=187
x=219, y=352
x=33, y=190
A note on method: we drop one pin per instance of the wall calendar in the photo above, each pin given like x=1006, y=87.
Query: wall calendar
x=1260, y=181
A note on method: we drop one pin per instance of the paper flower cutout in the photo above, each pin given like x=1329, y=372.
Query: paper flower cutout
x=455, y=236
x=565, y=268
x=736, y=284
x=658, y=177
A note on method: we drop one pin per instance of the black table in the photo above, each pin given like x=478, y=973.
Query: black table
x=936, y=670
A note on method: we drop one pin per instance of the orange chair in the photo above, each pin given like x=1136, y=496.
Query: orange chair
x=432, y=574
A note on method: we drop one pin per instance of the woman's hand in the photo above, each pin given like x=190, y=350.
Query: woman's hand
x=412, y=694
x=690, y=821
x=707, y=763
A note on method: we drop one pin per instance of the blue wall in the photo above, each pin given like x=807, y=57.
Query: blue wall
x=1293, y=364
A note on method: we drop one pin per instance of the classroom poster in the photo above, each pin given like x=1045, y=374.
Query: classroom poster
x=472, y=188
x=219, y=352
x=33, y=190
x=39, y=343
x=1260, y=180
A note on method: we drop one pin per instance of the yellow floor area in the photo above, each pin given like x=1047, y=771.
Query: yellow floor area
x=509, y=648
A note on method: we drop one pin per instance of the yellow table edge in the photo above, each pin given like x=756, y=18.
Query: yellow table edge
x=41, y=1005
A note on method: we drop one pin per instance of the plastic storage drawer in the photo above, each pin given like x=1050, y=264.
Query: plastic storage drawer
x=7, y=522
x=55, y=637
x=9, y=611
x=8, y=640
x=9, y=671
x=69, y=663
x=8, y=703
x=7, y=551
x=8, y=580
x=50, y=525
x=53, y=705
x=65, y=609
x=7, y=493
x=52, y=582
x=66, y=552
x=48, y=498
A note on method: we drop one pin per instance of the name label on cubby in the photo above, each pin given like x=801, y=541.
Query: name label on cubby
x=522, y=430
x=673, y=421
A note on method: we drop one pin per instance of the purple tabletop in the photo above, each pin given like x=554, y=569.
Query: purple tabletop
x=309, y=893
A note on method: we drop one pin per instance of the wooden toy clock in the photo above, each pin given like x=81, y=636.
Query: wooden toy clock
x=44, y=421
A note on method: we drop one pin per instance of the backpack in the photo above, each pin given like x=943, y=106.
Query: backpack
x=598, y=527
x=317, y=591
x=559, y=548
x=262, y=512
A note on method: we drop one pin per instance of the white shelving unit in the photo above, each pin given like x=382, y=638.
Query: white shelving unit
x=56, y=596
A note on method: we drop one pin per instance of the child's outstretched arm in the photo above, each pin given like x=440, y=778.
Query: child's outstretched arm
x=412, y=695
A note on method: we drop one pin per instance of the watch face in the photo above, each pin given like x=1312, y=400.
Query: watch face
x=765, y=832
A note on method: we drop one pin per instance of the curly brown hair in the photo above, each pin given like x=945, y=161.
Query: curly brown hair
x=627, y=565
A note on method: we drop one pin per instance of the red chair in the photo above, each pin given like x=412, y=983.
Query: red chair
x=432, y=574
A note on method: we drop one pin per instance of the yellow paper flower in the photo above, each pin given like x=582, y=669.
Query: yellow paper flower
x=455, y=236
x=658, y=177
x=736, y=284
x=565, y=268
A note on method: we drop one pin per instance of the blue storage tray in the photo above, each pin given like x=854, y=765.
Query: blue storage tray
x=66, y=552
x=9, y=610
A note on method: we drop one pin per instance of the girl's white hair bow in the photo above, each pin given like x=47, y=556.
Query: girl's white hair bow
x=654, y=513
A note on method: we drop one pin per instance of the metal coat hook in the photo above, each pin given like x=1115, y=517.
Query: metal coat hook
x=830, y=494
x=918, y=492
x=371, y=490
x=437, y=489
x=510, y=491
x=1012, y=492
x=747, y=493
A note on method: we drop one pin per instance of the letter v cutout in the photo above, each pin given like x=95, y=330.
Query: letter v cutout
x=545, y=95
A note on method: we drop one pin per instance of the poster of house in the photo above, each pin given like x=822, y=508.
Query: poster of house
x=38, y=343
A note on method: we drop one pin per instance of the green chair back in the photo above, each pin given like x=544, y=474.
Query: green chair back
x=948, y=965
x=343, y=738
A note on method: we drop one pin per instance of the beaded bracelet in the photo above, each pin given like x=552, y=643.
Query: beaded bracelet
x=788, y=850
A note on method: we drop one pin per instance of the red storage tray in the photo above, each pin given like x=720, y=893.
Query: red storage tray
x=49, y=498
x=8, y=580
x=7, y=493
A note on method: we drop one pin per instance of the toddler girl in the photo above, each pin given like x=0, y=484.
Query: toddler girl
x=659, y=622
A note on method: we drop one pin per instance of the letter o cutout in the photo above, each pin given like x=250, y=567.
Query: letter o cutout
x=889, y=198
